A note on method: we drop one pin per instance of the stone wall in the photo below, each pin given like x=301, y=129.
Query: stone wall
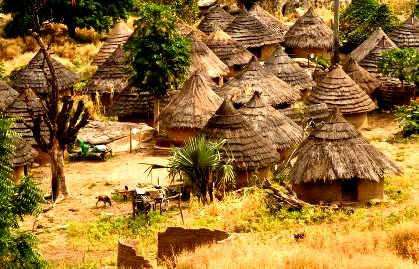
x=128, y=258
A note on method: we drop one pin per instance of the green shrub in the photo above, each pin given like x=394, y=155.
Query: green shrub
x=408, y=118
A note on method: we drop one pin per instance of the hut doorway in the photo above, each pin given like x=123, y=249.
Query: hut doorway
x=350, y=190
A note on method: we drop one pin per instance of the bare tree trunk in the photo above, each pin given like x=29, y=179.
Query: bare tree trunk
x=58, y=184
x=335, y=56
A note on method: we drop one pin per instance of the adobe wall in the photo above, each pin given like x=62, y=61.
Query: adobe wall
x=359, y=120
x=18, y=173
x=368, y=190
x=305, y=53
x=315, y=192
x=267, y=52
x=180, y=135
x=128, y=258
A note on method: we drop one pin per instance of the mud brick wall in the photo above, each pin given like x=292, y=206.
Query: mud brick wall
x=128, y=258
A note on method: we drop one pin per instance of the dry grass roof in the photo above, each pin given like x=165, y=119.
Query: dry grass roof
x=269, y=21
x=315, y=113
x=228, y=50
x=186, y=29
x=193, y=106
x=118, y=36
x=407, y=35
x=272, y=124
x=309, y=32
x=204, y=60
x=112, y=76
x=131, y=102
x=337, y=89
x=288, y=70
x=216, y=17
x=7, y=95
x=250, y=32
x=33, y=76
x=362, y=77
x=248, y=149
x=24, y=154
x=255, y=78
x=335, y=150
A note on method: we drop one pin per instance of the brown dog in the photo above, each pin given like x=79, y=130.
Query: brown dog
x=105, y=199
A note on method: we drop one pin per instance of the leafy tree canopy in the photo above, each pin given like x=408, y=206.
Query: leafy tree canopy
x=400, y=63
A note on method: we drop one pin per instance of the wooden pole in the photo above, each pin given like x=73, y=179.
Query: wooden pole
x=335, y=56
x=130, y=140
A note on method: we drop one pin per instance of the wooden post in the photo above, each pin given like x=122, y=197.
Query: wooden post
x=335, y=56
x=130, y=140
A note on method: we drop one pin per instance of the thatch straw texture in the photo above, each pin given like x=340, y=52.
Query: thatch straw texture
x=216, y=17
x=132, y=102
x=362, y=77
x=269, y=21
x=24, y=154
x=288, y=70
x=33, y=76
x=186, y=29
x=228, y=50
x=407, y=35
x=253, y=78
x=204, y=60
x=272, y=124
x=337, y=89
x=112, y=76
x=334, y=151
x=316, y=113
x=309, y=32
x=250, y=32
x=118, y=36
x=193, y=106
x=248, y=149
x=7, y=95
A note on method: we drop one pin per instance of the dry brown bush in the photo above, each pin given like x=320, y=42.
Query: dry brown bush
x=405, y=241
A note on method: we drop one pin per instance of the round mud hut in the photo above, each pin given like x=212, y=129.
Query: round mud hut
x=216, y=18
x=336, y=163
x=337, y=90
x=189, y=111
x=229, y=51
x=272, y=124
x=285, y=68
x=269, y=21
x=407, y=35
x=118, y=36
x=368, y=82
x=253, y=78
x=250, y=153
x=253, y=35
x=32, y=76
x=309, y=35
x=23, y=157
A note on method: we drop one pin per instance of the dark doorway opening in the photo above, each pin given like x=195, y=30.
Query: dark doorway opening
x=350, y=190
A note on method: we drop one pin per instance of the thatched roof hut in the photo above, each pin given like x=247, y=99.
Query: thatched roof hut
x=407, y=35
x=245, y=146
x=309, y=32
x=24, y=154
x=288, y=70
x=133, y=103
x=186, y=29
x=228, y=50
x=33, y=76
x=272, y=124
x=204, y=60
x=253, y=78
x=337, y=163
x=216, y=17
x=392, y=92
x=362, y=77
x=7, y=95
x=118, y=36
x=269, y=21
x=309, y=113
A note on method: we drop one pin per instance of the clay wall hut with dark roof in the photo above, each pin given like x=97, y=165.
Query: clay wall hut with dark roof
x=368, y=82
x=253, y=35
x=229, y=51
x=24, y=156
x=249, y=151
x=309, y=35
x=119, y=35
x=216, y=18
x=32, y=76
x=269, y=21
x=253, y=78
x=272, y=124
x=190, y=109
x=407, y=35
x=336, y=163
x=289, y=71
x=337, y=90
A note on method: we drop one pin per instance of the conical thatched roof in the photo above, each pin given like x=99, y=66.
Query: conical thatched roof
x=337, y=89
x=7, y=95
x=204, y=60
x=255, y=78
x=248, y=149
x=362, y=77
x=193, y=106
x=33, y=76
x=132, y=102
x=112, y=76
x=288, y=70
x=250, y=32
x=118, y=36
x=216, y=17
x=24, y=154
x=269, y=21
x=272, y=124
x=335, y=150
x=228, y=50
x=309, y=32
x=407, y=35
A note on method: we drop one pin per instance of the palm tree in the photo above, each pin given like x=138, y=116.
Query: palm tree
x=202, y=164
